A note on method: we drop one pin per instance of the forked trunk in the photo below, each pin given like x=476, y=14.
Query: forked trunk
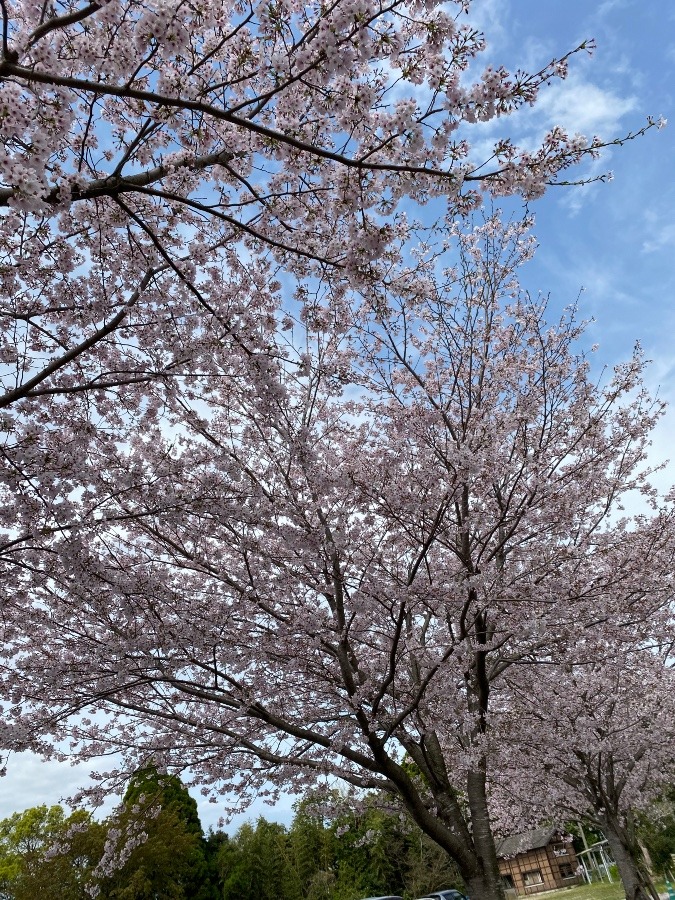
x=467, y=838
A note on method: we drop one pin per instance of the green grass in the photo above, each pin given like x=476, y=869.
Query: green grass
x=602, y=890
x=597, y=891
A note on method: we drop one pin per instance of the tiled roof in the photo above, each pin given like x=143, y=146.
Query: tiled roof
x=528, y=840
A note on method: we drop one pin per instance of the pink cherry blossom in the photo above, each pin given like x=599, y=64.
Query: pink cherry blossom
x=329, y=536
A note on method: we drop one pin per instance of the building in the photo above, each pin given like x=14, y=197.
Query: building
x=539, y=860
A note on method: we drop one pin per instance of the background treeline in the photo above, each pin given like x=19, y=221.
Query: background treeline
x=49, y=855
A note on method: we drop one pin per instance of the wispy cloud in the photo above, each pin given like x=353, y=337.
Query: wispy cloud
x=580, y=105
x=492, y=17
x=659, y=231
x=608, y=6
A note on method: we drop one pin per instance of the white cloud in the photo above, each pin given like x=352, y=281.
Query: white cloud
x=580, y=106
x=31, y=782
x=659, y=230
x=577, y=105
x=609, y=6
x=492, y=17
x=660, y=238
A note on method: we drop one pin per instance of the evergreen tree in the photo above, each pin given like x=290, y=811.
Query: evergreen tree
x=310, y=871
x=171, y=862
x=253, y=864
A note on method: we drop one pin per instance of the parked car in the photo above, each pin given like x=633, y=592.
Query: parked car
x=445, y=895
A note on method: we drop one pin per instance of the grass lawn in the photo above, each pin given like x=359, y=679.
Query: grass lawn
x=598, y=891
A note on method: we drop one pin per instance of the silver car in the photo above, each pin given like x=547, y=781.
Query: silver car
x=445, y=895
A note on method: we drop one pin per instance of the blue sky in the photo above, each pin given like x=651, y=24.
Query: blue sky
x=616, y=240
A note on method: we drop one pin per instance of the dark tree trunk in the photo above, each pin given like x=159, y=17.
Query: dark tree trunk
x=465, y=835
x=485, y=884
x=629, y=859
x=468, y=841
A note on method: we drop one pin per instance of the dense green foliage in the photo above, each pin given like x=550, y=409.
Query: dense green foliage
x=48, y=855
x=354, y=855
x=171, y=862
x=657, y=833
x=28, y=871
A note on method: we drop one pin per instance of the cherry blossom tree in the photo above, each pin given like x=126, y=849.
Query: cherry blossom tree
x=139, y=140
x=323, y=559
x=287, y=109
x=162, y=442
x=157, y=158
x=604, y=739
